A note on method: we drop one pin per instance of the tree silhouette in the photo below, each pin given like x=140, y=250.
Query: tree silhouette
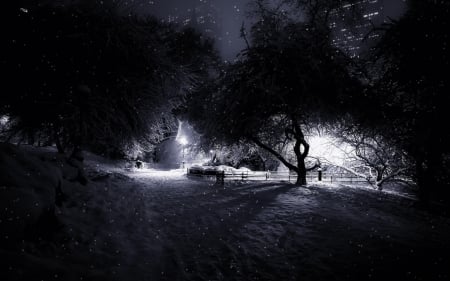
x=96, y=77
x=289, y=79
x=412, y=91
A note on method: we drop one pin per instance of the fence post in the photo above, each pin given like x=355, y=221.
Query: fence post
x=331, y=179
x=220, y=177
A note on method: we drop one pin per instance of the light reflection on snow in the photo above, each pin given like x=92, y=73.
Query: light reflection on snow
x=156, y=173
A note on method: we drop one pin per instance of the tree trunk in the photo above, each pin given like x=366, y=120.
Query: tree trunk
x=301, y=173
x=379, y=180
x=30, y=138
x=301, y=156
x=431, y=186
x=58, y=143
x=76, y=160
x=296, y=133
x=424, y=192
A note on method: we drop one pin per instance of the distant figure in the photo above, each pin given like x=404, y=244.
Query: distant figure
x=139, y=164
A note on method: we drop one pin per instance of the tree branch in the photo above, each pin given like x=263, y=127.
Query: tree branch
x=390, y=176
x=244, y=35
x=350, y=170
x=274, y=153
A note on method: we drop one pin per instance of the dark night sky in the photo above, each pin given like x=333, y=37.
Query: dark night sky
x=229, y=15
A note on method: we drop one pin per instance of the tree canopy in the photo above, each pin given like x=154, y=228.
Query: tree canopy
x=289, y=79
x=86, y=73
x=412, y=86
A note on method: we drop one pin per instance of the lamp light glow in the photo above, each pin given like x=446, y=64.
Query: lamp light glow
x=183, y=140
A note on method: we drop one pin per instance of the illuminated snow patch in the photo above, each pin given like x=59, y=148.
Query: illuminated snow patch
x=154, y=173
x=328, y=148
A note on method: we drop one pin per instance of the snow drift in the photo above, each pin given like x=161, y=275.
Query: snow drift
x=30, y=188
x=160, y=225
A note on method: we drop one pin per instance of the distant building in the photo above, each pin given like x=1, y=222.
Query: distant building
x=351, y=25
x=203, y=16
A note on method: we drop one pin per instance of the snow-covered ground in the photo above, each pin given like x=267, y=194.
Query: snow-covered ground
x=161, y=225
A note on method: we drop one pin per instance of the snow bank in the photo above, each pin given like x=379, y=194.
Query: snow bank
x=28, y=192
x=160, y=225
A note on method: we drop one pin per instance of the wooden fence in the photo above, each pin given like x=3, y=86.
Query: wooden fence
x=222, y=176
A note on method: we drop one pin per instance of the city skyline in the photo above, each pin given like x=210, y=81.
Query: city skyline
x=222, y=20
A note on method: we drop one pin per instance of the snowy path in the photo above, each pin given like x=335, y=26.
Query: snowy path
x=163, y=226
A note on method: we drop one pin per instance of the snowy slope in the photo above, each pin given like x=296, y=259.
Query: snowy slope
x=160, y=225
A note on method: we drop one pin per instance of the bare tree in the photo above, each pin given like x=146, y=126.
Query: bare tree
x=370, y=156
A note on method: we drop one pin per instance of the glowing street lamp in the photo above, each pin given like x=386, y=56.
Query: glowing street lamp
x=183, y=141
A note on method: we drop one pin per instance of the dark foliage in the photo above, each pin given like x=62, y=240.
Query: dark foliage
x=410, y=100
x=84, y=74
x=289, y=79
